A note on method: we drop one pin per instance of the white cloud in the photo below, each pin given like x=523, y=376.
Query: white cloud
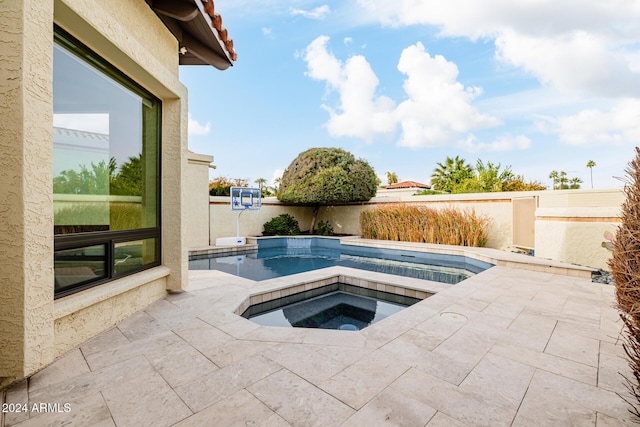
x=277, y=174
x=504, y=142
x=360, y=112
x=578, y=62
x=618, y=125
x=195, y=128
x=266, y=31
x=439, y=107
x=319, y=12
x=347, y=40
x=590, y=47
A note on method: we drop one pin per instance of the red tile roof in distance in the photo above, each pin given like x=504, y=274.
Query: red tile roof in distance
x=407, y=184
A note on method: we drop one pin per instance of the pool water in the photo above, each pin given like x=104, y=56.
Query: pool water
x=336, y=306
x=284, y=256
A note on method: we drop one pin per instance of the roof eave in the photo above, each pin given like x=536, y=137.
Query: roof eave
x=193, y=26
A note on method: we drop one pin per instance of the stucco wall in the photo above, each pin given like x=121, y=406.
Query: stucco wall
x=223, y=219
x=77, y=321
x=569, y=225
x=26, y=213
x=131, y=37
x=497, y=207
x=198, y=199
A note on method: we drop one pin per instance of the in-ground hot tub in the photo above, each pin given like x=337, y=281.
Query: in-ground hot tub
x=333, y=306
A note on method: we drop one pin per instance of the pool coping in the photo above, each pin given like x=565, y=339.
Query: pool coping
x=492, y=256
x=271, y=289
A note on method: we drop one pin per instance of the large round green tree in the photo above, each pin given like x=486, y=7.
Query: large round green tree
x=327, y=176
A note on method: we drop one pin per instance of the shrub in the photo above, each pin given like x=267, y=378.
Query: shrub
x=625, y=267
x=224, y=190
x=324, y=228
x=282, y=225
x=326, y=177
x=425, y=225
x=221, y=186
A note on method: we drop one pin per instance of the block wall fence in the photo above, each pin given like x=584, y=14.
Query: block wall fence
x=563, y=225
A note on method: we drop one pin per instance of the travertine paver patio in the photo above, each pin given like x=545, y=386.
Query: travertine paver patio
x=505, y=347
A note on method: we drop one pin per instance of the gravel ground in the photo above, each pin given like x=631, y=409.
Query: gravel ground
x=602, y=276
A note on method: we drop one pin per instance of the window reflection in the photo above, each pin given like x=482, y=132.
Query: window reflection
x=134, y=255
x=105, y=151
x=106, y=142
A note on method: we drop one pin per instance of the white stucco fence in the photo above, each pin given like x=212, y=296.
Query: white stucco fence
x=563, y=225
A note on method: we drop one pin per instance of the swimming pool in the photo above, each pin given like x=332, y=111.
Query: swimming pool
x=282, y=256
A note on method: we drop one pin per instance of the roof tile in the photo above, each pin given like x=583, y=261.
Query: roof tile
x=216, y=22
x=407, y=184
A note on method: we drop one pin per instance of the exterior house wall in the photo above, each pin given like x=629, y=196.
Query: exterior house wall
x=198, y=199
x=26, y=198
x=130, y=36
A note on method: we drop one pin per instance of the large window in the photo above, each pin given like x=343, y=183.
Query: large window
x=106, y=170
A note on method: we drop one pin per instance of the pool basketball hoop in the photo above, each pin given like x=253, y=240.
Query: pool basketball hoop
x=242, y=199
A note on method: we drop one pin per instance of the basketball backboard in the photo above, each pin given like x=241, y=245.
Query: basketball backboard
x=243, y=198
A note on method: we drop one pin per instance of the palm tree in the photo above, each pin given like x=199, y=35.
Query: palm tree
x=554, y=176
x=574, y=183
x=590, y=165
x=392, y=178
x=260, y=182
x=563, y=181
x=453, y=171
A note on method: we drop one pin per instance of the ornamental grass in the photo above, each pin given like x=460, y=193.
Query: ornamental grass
x=625, y=268
x=421, y=224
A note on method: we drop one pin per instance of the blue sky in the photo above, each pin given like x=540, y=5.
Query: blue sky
x=539, y=86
